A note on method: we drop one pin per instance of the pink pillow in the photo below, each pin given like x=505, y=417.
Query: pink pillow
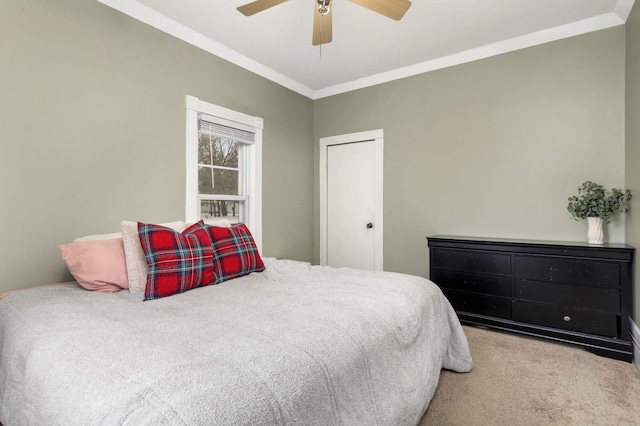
x=97, y=265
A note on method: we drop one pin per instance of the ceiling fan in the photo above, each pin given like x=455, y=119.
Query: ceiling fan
x=394, y=9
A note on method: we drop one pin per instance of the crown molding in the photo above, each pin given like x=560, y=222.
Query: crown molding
x=533, y=39
x=155, y=19
x=623, y=9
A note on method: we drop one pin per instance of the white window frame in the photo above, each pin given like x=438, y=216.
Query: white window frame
x=252, y=163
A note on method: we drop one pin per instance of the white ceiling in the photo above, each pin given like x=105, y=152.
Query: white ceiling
x=368, y=48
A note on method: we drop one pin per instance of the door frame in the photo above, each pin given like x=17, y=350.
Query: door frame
x=377, y=136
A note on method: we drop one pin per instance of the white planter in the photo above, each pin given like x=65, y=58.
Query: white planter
x=595, y=235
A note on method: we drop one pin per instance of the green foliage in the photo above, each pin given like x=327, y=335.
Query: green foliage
x=594, y=201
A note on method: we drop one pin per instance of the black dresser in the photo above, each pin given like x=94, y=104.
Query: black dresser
x=568, y=292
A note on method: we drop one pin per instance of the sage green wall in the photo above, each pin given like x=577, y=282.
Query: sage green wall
x=93, y=132
x=494, y=147
x=633, y=140
x=92, y=110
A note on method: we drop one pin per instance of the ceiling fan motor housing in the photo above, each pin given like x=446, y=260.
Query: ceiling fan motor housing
x=322, y=26
x=323, y=6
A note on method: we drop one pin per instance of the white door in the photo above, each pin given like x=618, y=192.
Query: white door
x=352, y=201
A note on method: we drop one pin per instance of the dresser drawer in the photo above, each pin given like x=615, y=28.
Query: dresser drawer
x=603, y=299
x=485, y=284
x=566, y=318
x=470, y=261
x=569, y=271
x=529, y=287
x=477, y=304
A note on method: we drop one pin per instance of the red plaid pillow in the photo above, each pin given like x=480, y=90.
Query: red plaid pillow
x=177, y=261
x=234, y=252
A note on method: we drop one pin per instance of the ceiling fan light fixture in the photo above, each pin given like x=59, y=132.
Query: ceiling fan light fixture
x=324, y=6
x=322, y=21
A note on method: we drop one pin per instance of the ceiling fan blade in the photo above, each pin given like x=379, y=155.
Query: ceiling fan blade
x=258, y=6
x=394, y=9
x=322, y=26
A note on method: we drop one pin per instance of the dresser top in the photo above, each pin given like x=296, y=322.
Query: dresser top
x=513, y=241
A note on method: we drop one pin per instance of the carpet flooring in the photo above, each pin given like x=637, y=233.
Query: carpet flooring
x=524, y=381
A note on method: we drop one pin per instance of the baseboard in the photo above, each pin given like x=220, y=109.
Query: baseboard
x=635, y=340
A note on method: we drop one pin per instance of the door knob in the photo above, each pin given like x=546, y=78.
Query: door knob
x=369, y=225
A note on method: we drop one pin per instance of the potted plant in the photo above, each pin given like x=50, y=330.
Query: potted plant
x=597, y=205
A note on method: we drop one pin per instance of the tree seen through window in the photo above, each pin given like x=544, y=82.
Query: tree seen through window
x=218, y=173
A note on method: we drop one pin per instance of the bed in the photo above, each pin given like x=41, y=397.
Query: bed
x=295, y=344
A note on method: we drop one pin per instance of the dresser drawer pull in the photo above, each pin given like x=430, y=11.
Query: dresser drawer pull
x=567, y=318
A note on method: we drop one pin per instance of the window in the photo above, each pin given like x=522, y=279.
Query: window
x=224, y=153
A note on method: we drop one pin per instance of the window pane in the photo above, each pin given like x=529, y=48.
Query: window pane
x=217, y=151
x=212, y=211
x=216, y=181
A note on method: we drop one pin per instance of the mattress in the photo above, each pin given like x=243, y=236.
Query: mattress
x=294, y=345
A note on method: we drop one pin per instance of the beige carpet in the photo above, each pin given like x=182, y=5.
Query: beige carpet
x=522, y=381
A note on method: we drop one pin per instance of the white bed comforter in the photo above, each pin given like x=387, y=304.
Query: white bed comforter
x=294, y=345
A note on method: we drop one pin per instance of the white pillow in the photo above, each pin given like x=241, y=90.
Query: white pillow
x=97, y=237
x=224, y=223
x=137, y=268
